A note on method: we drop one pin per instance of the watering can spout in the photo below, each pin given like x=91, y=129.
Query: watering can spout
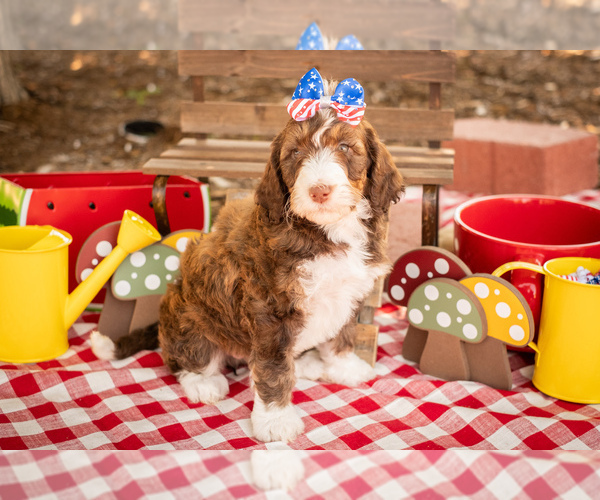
x=135, y=233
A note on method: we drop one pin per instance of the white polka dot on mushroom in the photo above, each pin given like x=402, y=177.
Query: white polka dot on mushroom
x=516, y=333
x=156, y=256
x=397, y=292
x=431, y=292
x=172, y=263
x=403, y=281
x=137, y=259
x=412, y=270
x=134, y=276
x=182, y=244
x=95, y=262
x=85, y=273
x=103, y=248
x=441, y=266
x=443, y=319
x=503, y=309
x=152, y=282
x=463, y=306
x=481, y=290
x=415, y=316
x=470, y=331
x=122, y=288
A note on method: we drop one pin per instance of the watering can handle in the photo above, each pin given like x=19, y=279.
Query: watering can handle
x=510, y=266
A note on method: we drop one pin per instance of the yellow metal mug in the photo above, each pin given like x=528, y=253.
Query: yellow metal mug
x=36, y=309
x=567, y=360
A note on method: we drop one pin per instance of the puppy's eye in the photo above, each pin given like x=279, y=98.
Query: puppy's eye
x=296, y=153
x=343, y=148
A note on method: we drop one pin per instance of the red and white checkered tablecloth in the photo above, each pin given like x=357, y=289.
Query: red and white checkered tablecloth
x=225, y=475
x=79, y=402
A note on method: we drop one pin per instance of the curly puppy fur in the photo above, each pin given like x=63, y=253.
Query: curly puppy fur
x=286, y=272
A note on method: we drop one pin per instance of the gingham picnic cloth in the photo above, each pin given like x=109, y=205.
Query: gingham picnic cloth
x=328, y=474
x=79, y=402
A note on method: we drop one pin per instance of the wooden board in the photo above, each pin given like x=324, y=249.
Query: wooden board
x=378, y=19
x=365, y=66
x=260, y=119
x=414, y=173
x=366, y=342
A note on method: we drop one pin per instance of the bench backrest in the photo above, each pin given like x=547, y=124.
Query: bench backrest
x=259, y=119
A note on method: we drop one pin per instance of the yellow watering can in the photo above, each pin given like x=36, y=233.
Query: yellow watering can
x=36, y=309
x=567, y=360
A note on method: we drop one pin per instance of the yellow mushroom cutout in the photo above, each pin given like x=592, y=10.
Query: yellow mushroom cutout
x=180, y=239
x=509, y=321
x=508, y=315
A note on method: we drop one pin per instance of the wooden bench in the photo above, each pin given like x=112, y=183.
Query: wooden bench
x=207, y=154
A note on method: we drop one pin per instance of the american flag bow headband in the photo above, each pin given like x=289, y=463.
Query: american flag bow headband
x=347, y=100
x=312, y=39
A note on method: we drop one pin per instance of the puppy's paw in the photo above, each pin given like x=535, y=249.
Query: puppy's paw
x=310, y=365
x=276, y=469
x=207, y=389
x=273, y=423
x=102, y=346
x=348, y=369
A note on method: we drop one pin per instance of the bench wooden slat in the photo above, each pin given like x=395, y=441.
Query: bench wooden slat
x=425, y=174
x=402, y=20
x=260, y=119
x=364, y=65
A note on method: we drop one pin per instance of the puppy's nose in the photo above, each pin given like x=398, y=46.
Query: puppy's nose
x=320, y=193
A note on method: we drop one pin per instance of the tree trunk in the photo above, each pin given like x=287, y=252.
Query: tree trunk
x=11, y=91
x=444, y=357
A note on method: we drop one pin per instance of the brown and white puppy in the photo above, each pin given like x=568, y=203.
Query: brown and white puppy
x=282, y=274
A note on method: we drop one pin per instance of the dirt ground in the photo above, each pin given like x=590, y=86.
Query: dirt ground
x=78, y=101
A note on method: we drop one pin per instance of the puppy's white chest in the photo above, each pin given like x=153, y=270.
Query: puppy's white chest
x=333, y=286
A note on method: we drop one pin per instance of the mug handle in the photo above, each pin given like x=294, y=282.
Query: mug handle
x=510, y=266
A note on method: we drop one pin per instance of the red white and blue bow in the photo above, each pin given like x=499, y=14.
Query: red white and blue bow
x=347, y=100
x=312, y=39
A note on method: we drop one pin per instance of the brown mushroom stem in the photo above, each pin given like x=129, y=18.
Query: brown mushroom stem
x=488, y=362
x=145, y=312
x=444, y=357
x=116, y=316
x=414, y=343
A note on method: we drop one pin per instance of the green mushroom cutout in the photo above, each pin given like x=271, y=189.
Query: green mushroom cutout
x=452, y=315
x=143, y=277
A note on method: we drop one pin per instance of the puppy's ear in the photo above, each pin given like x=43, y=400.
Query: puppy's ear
x=272, y=193
x=384, y=181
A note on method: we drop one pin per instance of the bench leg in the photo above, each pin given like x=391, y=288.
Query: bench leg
x=159, y=204
x=430, y=215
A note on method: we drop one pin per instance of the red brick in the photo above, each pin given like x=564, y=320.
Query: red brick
x=500, y=157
